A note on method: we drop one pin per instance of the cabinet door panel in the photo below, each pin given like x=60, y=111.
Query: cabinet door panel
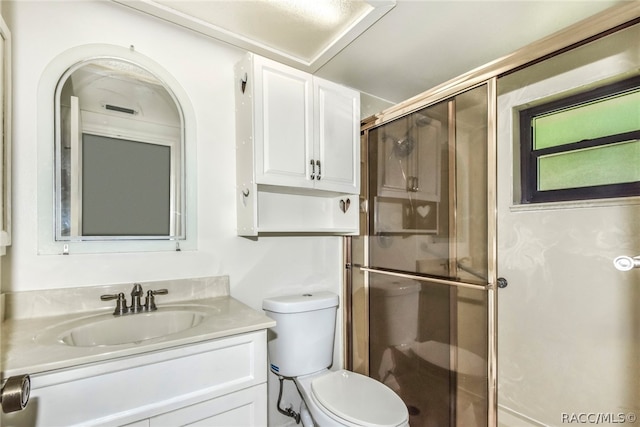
x=283, y=108
x=243, y=408
x=415, y=173
x=337, y=137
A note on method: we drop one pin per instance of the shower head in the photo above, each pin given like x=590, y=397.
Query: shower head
x=404, y=146
x=421, y=120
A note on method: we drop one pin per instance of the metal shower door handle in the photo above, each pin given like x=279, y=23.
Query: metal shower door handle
x=626, y=263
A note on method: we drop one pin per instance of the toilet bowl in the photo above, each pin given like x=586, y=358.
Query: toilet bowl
x=344, y=398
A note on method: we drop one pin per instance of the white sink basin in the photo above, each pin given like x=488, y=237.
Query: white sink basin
x=131, y=328
x=105, y=330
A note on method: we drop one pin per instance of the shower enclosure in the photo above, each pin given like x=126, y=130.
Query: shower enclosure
x=420, y=278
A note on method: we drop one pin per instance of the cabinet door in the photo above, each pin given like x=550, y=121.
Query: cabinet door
x=409, y=160
x=337, y=137
x=283, y=127
x=426, y=168
x=243, y=408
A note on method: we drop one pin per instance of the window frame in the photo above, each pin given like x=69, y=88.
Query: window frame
x=529, y=157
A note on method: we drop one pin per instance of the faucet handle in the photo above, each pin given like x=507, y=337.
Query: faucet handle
x=150, y=303
x=121, y=303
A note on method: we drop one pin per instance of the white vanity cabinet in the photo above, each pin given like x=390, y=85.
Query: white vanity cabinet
x=298, y=150
x=220, y=382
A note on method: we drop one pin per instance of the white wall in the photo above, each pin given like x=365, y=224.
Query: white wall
x=204, y=67
x=568, y=322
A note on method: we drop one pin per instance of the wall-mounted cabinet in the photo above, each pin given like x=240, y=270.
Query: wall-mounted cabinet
x=298, y=154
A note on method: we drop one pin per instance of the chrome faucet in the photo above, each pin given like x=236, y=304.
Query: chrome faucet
x=136, y=294
x=136, y=304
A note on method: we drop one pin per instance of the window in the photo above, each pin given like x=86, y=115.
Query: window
x=586, y=146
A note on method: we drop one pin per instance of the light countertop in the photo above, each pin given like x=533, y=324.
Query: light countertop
x=31, y=345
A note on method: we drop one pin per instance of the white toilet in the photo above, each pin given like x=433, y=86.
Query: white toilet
x=302, y=350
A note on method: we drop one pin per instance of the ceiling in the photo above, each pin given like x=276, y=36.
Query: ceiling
x=387, y=49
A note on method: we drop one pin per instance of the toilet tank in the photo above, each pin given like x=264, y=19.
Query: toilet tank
x=396, y=306
x=301, y=343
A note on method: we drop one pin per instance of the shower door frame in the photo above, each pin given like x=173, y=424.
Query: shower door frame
x=490, y=286
x=609, y=21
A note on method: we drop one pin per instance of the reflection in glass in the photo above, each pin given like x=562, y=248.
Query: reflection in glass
x=428, y=342
x=420, y=308
x=111, y=204
x=428, y=189
x=119, y=154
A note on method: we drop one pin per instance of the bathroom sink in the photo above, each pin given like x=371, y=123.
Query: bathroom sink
x=105, y=330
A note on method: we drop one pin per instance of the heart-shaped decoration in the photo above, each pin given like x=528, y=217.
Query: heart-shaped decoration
x=424, y=210
x=344, y=205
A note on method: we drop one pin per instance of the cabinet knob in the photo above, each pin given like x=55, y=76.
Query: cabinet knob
x=313, y=169
x=319, y=170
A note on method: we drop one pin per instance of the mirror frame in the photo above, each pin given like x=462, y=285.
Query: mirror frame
x=5, y=138
x=47, y=222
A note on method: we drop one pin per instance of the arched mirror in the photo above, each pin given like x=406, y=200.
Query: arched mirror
x=119, y=154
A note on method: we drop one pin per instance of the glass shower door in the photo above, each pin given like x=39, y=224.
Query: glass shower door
x=421, y=275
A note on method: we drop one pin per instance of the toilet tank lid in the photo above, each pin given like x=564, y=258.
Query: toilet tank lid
x=300, y=303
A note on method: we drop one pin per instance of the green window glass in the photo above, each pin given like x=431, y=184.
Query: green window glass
x=586, y=146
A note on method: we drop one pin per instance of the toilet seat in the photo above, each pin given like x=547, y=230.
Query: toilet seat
x=359, y=400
